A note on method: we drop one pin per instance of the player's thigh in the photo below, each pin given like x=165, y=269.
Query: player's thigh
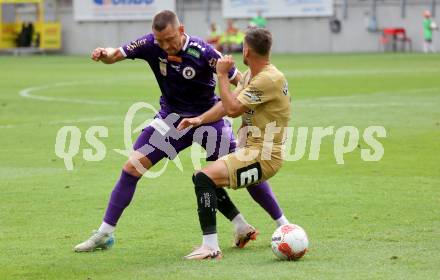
x=245, y=172
x=217, y=171
x=216, y=138
x=146, y=154
x=142, y=146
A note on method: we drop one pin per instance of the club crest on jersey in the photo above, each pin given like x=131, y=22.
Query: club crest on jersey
x=188, y=72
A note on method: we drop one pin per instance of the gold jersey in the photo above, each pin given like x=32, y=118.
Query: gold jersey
x=267, y=97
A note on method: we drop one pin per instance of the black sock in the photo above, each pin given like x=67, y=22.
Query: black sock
x=206, y=202
x=225, y=205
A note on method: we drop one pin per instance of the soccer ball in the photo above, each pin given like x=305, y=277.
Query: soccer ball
x=289, y=242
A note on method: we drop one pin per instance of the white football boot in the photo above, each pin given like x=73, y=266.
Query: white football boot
x=98, y=240
x=204, y=253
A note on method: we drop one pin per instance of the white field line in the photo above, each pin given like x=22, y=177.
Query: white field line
x=20, y=172
x=66, y=122
x=365, y=105
x=360, y=102
x=337, y=101
x=7, y=126
x=353, y=72
x=27, y=93
x=86, y=120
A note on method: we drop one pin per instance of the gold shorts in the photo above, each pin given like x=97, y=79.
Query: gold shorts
x=245, y=169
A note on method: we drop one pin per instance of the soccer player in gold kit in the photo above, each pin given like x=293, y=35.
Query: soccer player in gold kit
x=262, y=99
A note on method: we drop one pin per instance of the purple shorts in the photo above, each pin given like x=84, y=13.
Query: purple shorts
x=160, y=139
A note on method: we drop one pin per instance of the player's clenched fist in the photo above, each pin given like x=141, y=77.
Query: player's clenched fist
x=224, y=64
x=99, y=53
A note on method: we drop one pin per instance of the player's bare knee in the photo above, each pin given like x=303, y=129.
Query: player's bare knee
x=131, y=169
x=137, y=164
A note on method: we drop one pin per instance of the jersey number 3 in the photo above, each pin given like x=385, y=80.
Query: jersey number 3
x=249, y=174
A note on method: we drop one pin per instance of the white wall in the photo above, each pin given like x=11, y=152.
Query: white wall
x=291, y=35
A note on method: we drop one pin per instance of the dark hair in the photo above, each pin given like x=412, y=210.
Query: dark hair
x=259, y=40
x=163, y=18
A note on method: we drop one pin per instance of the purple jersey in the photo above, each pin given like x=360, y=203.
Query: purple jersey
x=186, y=80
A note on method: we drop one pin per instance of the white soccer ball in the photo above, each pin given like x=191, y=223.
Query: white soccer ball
x=433, y=25
x=289, y=242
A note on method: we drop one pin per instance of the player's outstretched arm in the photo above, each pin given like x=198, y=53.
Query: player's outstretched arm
x=107, y=55
x=212, y=115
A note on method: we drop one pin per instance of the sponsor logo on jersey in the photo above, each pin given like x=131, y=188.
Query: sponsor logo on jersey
x=247, y=117
x=193, y=52
x=286, y=88
x=135, y=44
x=197, y=45
x=163, y=66
x=188, y=72
x=254, y=95
x=213, y=62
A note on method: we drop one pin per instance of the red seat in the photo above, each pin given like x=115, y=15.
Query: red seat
x=394, y=36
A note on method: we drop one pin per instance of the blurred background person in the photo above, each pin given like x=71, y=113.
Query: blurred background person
x=428, y=26
x=232, y=39
x=214, y=36
x=258, y=20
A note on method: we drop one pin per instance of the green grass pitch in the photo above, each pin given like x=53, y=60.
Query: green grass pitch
x=365, y=220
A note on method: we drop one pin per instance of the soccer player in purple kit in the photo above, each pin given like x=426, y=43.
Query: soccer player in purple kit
x=184, y=67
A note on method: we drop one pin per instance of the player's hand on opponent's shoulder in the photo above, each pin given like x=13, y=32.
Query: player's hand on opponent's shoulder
x=189, y=122
x=224, y=64
x=99, y=53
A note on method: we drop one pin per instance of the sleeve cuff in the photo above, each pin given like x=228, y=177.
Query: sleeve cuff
x=122, y=51
x=244, y=102
x=233, y=75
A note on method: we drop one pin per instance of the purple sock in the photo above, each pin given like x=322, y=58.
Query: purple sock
x=121, y=197
x=263, y=195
